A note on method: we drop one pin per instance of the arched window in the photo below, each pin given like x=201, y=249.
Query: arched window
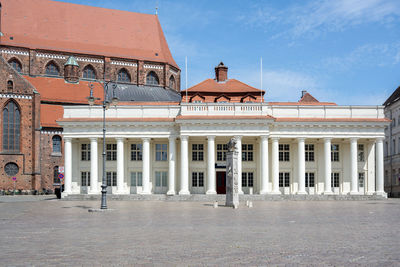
x=10, y=86
x=88, y=73
x=15, y=64
x=52, y=69
x=172, y=82
x=56, y=180
x=56, y=144
x=152, y=78
x=11, y=127
x=123, y=76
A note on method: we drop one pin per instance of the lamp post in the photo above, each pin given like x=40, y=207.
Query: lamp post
x=106, y=104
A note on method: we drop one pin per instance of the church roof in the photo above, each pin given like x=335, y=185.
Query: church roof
x=53, y=25
x=228, y=86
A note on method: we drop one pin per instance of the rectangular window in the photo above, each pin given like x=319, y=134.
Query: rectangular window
x=136, y=179
x=247, y=152
x=161, y=179
x=247, y=179
x=197, y=179
x=85, y=178
x=221, y=152
x=161, y=152
x=334, y=179
x=361, y=179
x=197, y=152
x=85, y=152
x=284, y=150
x=335, y=152
x=111, y=178
x=310, y=182
x=284, y=179
x=111, y=152
x=361, y=154
x=136, y=152
x=309, y=148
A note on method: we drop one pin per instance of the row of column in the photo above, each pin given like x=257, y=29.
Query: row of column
x=211, y=181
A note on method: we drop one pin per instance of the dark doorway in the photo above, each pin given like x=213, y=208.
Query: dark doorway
x=221, y=184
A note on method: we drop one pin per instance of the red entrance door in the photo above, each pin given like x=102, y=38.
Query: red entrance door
x=221, y=184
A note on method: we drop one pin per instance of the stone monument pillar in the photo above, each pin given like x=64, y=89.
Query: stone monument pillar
x=232, y=182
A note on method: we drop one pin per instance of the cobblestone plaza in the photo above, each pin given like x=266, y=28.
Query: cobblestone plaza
x=340, y=233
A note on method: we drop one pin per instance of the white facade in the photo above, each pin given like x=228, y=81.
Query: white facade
x=179, y=149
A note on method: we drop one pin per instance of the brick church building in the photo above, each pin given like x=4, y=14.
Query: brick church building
x=50, y=53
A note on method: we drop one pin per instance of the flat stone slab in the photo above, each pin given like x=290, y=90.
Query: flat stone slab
x=100, y=210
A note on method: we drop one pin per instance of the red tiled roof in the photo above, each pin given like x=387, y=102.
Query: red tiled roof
x=307, y=98
x=49, y=114
x=229, y=86
x=53, y=25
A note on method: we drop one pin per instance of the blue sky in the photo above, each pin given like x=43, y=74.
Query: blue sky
x=345, y=51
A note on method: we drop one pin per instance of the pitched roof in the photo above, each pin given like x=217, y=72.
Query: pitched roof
x=394, y=97
x=49, y=114
x=83, y=29
x=229, y=86
x=307, y=98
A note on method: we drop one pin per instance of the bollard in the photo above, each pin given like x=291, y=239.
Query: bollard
x=215, y=204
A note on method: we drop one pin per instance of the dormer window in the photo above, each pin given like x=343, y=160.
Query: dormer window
x=152, y=78
x=15, y=64
x=52, y=69
x=88, y=73
x=123, y=76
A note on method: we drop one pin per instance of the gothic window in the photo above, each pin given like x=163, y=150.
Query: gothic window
x=172, y=82
x=10, y=86
x=11, y=169
x=56, y=144
x=15, y=64
x=52, y=69
x=89, y=73
x=11, y=127
x=152, y=78
x=123, y=76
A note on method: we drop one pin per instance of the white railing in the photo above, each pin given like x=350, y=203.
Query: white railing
x=227, y=109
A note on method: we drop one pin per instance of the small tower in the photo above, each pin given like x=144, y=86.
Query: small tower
x=71, y=70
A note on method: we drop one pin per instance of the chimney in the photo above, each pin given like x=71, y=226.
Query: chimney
x=221, y=72
x=303, y=93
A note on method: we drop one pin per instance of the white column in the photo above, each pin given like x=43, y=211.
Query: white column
x=239, y=149
x=94, y=167
x=327, y=166
x=264, y=165
x=120, y=165
x=171, y=158
x=302, y=166
x=275, y=165
x=211, y=185
x=353, y=166
x=146, y=166
x=184, y=166
x=379, y=167
x=68, y=166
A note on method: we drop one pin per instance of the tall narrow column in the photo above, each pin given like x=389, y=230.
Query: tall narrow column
x=301, y=158
x=146, y=166
x=264, y=165
x=327, y=166
x=275, y=165
x=171, y=158
x=68, y=166
x=211, y=185
x=120, y=165
x=379, y=167
x=93, y=166
x=239, y=161
x=353, y=166
x=184, y=167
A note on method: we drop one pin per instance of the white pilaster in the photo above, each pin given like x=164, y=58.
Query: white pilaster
x=68, y=166
x=171, y=158
x=275, y=165
x=302, y=166
x=211, y=186
x=264, y=165
x=379, y=167
x=120, y=165
x=94, y=167
x=327, y=166
x=184, y=166
x=146, y=166
x=239, y=149
x=353, y=166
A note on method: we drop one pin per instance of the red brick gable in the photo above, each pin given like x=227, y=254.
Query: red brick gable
x=308, y=98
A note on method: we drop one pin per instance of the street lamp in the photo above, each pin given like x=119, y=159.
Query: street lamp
x=106, y=104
